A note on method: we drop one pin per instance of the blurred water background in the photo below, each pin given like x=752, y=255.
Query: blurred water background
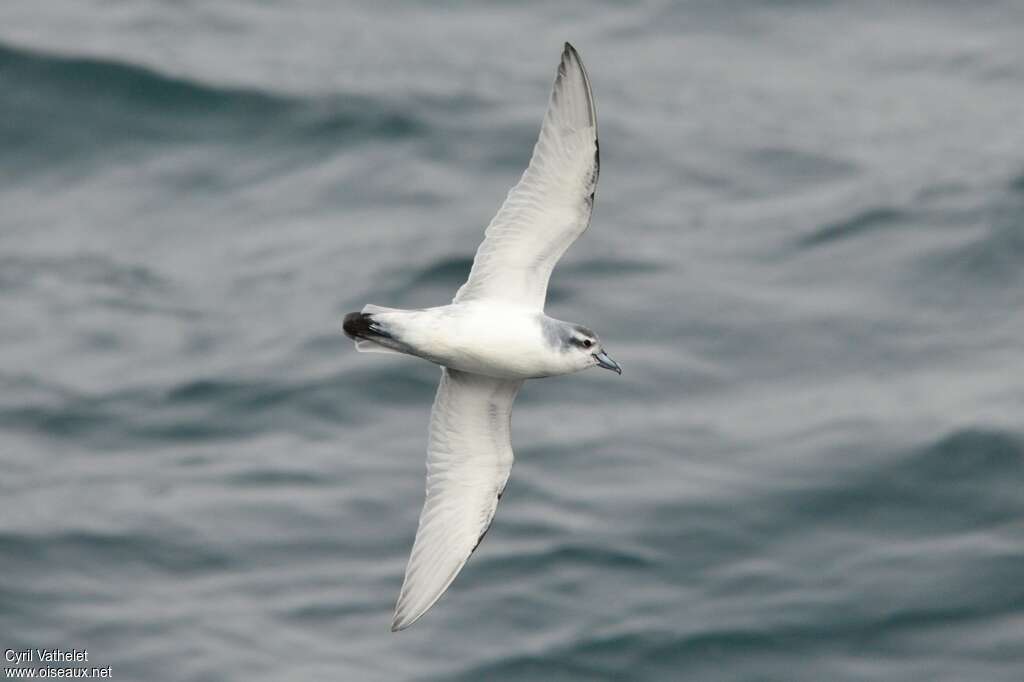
x=807, y=253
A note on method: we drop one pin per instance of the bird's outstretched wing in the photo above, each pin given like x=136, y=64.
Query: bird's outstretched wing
x=550, y=206
x=469, y=457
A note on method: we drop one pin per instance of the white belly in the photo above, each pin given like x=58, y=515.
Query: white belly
x=482, y=338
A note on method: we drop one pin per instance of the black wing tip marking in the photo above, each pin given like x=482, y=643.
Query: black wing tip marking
x=570, y=52
x=397, y=626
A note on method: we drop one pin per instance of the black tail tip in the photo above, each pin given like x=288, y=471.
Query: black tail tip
x=356, y=325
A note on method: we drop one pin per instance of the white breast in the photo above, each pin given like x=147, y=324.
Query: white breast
x=482, y=337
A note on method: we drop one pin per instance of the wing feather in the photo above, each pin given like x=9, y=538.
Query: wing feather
x=550, y=206
x=469, y=457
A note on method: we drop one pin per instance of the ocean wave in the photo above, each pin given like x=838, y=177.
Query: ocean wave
x=994, y=255
x=206, y=410
x=445, y=272
x=968, y=478
x=869, y=220
x=90, y=548
x=439, y=280
x=122, y=81
x=1017, y=184
x=65, y=108
x=643, y=650
x=22, y=271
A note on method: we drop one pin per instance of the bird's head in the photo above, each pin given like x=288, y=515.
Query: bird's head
x=586, y=349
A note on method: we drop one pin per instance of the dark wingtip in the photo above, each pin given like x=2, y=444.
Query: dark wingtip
x=399, y=624
x=570, y=51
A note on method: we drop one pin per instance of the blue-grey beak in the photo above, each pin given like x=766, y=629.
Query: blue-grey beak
x=605, y=360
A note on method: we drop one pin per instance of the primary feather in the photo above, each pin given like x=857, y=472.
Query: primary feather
x=550, y=206
x=469, y=457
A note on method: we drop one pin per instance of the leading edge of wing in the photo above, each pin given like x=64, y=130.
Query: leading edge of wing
x=469, y=457
x=551, y=204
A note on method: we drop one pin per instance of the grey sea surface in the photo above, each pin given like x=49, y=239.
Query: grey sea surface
x=807, y=253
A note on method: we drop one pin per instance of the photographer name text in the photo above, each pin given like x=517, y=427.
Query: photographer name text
x=23, y=656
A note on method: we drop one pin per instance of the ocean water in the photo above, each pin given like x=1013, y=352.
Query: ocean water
x=807, y=253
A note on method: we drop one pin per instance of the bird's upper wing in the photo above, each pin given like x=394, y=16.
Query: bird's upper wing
x=550, y=206
x=469, y=457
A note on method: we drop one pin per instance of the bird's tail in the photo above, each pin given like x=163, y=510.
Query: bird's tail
x=370, y=333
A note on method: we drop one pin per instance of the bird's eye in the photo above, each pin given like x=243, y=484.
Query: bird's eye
x=587, y=343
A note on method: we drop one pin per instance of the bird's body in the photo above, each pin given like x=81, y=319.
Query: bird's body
x=492, y=337
x=496, y=340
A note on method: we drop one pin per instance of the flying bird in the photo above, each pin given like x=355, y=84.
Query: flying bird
x=493, y=336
